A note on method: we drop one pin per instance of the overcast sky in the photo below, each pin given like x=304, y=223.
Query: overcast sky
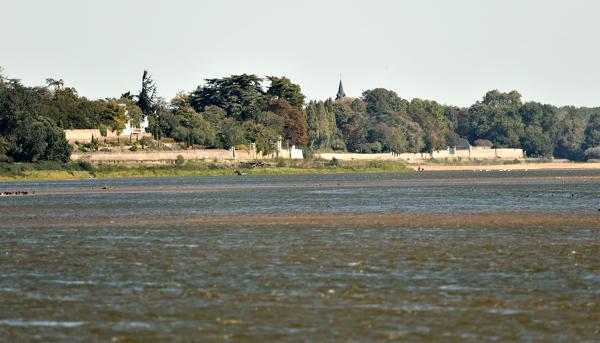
x=449, y=51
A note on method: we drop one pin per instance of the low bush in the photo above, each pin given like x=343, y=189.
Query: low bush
x=334, y=162
x=376, y=164
x=592, y=153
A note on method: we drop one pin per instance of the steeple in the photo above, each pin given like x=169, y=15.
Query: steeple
x=340, y=94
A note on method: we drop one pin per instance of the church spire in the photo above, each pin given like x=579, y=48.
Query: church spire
x=340, y=94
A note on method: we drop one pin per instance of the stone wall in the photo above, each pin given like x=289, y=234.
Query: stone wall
x=239, y=155
x=165, y=156
x=467, y=154
x=85, y=135
x=189, y=155
x=349, y=156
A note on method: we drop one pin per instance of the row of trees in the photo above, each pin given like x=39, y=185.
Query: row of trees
x=235, y=110
x=32, y=119
x=242, y=109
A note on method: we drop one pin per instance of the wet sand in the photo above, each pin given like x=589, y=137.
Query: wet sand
x=509, y=167
x=419, y=257
x=534, y=219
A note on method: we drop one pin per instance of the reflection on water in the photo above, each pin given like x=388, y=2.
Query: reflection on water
x=83, y=278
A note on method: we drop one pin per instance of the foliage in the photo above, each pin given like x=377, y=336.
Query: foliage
x=536, y=143
x=592, y=131
x=146, y=100
x=295, y=129
x=483, y=142
x=25, y=134
x=283, y=88
x=592, y=153
x=240, y=96
x=238, y=109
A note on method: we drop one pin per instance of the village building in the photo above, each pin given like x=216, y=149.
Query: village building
x=130, y=132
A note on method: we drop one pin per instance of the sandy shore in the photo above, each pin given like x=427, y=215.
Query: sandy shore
x=537, y=219
x=508, y=167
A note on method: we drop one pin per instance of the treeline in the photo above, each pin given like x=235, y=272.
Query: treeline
x=243, y=109
x=381, y=121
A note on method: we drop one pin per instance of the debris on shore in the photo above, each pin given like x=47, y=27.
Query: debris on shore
x=16, y=193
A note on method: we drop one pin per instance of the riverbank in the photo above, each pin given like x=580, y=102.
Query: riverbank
x=508, y=167
x=85, y=170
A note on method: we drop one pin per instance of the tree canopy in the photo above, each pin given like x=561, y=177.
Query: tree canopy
x=242, y=109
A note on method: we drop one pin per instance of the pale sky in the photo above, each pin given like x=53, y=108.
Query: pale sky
x=449, y=51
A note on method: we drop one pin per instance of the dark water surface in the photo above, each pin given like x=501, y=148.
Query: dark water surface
x=76, y=265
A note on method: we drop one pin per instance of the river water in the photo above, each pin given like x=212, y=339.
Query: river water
x=432, y=256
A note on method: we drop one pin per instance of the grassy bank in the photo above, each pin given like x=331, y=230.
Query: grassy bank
x=84, y=170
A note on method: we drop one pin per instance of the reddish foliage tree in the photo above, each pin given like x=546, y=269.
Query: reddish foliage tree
x=295, y=128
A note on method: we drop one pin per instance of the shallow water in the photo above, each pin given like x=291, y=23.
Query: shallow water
x=297, y=258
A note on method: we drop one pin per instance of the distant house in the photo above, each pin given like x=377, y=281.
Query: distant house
x=463, y=144
x=131, y=131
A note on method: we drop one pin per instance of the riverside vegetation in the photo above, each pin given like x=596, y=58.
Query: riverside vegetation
x=83, y=169
x=242, y=109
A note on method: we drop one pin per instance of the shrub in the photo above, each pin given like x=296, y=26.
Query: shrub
x=309, y=154
x=180, y=160
x=83, y=165
x=241, y=147
x=334, y=162
x=376, y=164
x=281, y=163
x=133, y=147
x=483, y=142
x=592, y=153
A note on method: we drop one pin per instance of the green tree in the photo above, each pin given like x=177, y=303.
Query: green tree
x=283, y=88
x=147, y=97
x=382, y=102
x=571, y=140
x=536, y=143
x=497, y=119
x=312, y=122
x=27, y=136
x=592, y=132
x=240, y=96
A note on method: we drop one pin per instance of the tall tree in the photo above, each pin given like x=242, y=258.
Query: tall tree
x=283, y=88
x=592, y=132
x=28, y=136
x=241, y=96
x=147, y=95
x=295, y=129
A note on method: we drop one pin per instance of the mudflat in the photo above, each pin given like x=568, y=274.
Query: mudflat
x=451, y=256
x=510, y=167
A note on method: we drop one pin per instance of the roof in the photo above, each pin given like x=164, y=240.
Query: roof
x=463, y=143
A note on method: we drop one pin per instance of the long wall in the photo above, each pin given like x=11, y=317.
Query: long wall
x=164, y=156
x=467, y=154
x=239, y=155
x=220, y=155
x=86, y=135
